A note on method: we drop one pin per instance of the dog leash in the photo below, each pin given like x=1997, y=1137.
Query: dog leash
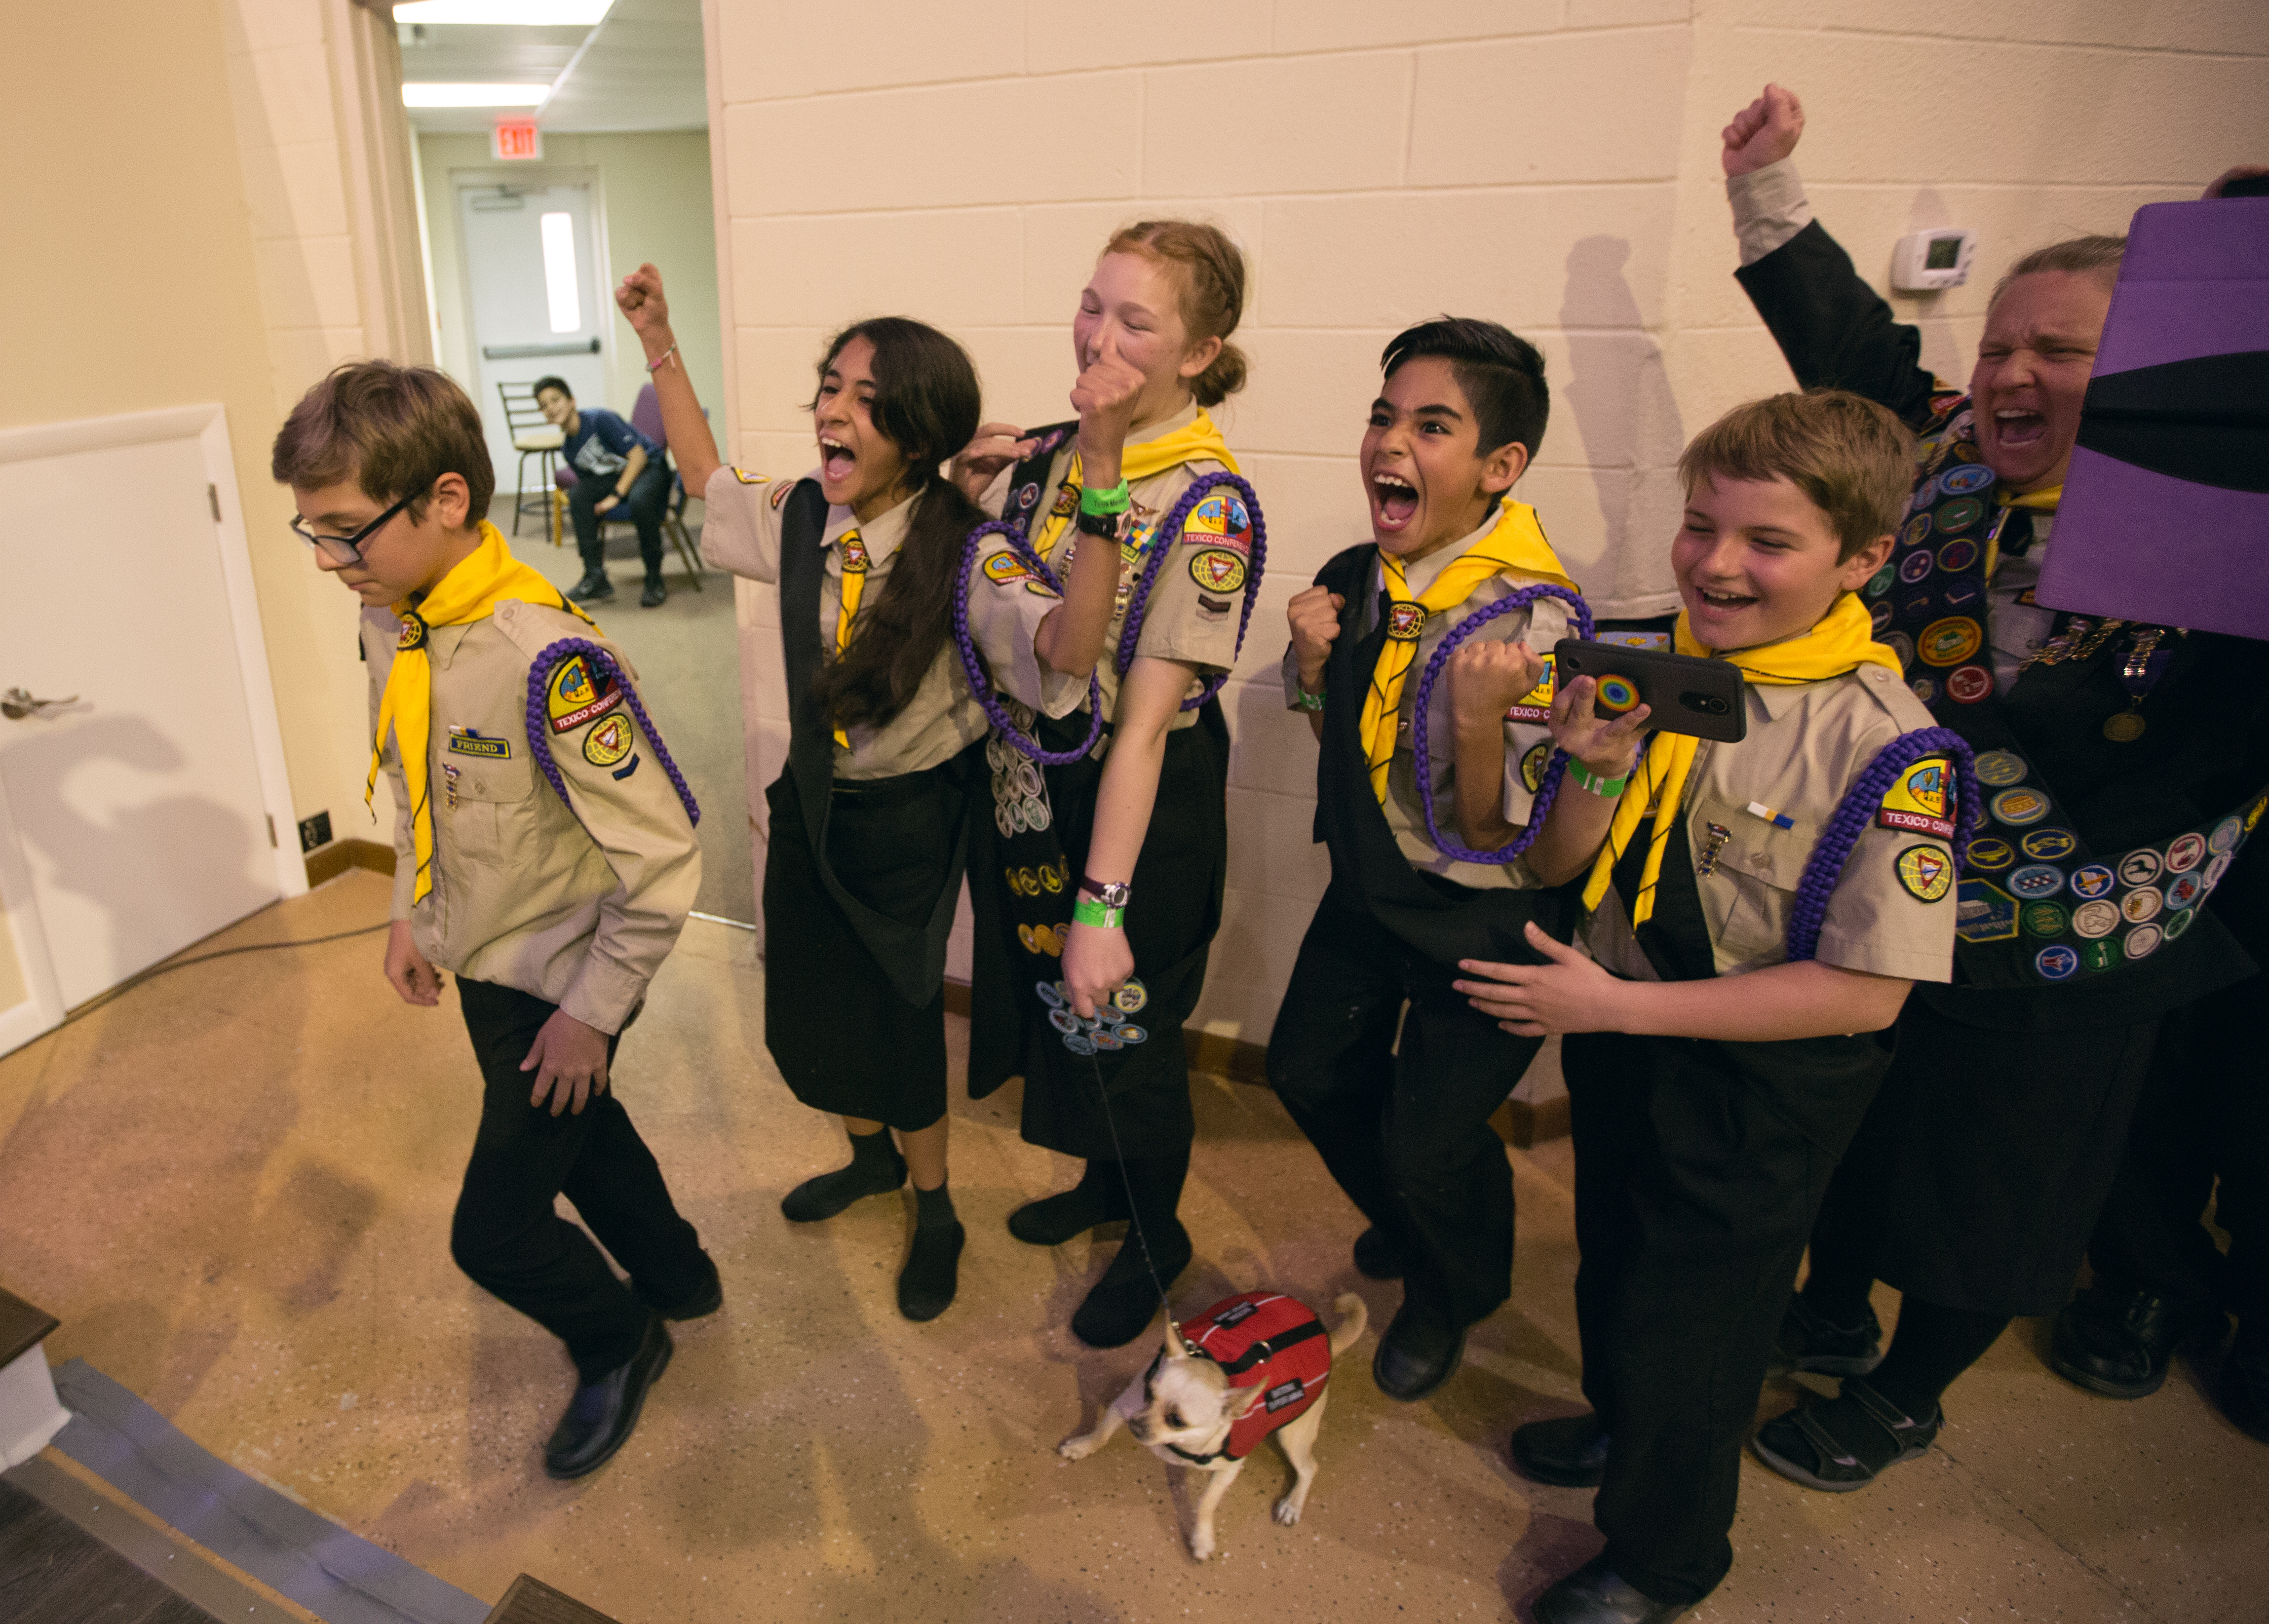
x=1133, y=1210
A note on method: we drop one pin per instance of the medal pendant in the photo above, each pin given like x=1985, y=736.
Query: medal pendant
x=2124, y=726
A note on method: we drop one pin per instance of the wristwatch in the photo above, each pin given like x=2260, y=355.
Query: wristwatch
x=1111, y=896
x=1099, y=524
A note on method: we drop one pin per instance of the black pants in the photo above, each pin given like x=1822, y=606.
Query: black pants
x=2205, y=1113
x=1403, y=1127
x=643, y=507
x=506, y=1235
x=1697, y=1183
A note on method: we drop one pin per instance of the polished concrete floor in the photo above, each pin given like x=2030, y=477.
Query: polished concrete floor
x=233, y=1185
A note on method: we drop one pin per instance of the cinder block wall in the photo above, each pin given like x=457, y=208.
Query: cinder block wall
x=1552, y=164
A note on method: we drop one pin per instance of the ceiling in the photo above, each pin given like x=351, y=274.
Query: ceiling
x=639, y=69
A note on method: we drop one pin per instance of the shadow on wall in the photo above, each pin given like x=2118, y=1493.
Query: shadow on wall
x=1625, y=413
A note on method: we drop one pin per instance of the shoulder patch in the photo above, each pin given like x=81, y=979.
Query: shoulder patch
x=781, y=488
x=1926, y=873
x=747, y=478
x=1006, y=569
x=1217, y=569
x=609, y=742
x=1220, y=519
x=1921, y=802
x=576, y=695
x=1536, y=704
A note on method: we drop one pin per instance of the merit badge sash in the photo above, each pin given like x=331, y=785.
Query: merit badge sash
x=2035, y=906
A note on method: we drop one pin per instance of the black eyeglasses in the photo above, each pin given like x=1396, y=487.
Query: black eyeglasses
x=345, y=551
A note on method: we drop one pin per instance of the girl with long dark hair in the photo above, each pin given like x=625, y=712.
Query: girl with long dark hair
x=863, y=866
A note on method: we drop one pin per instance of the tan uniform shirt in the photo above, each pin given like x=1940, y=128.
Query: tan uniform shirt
x=577, y=905
x=1807, y=743
x=1527, y=742
x=1196, y=603
x=741, y=533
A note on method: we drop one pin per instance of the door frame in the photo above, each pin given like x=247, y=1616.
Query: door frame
x=208, y=425
x=477, y=175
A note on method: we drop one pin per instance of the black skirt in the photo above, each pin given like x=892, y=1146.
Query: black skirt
x=843, y=1037
x=1175, y=909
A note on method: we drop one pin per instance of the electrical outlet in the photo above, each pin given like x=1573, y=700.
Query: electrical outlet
x=314, y=831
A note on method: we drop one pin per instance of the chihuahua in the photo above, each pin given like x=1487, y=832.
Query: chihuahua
x=1253, y=1365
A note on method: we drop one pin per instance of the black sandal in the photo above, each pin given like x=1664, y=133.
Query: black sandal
x=1821, y=1433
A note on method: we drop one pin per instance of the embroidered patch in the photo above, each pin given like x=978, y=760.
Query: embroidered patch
x=1968, y=684
x=2047, y=845
x=1216, y=608
x=1217, y=569
x=1986, y=912
x=1950, y=641
x=575, y=697
x=1532, y=766
x=2142, y=940
x=1405, y=620
x=747, y=478
x=1221, y=520
x=413, y=635
x=609, y=742
x=1990, y=852
x=1051, y=879
x=1536, y=704
x=473, y=744
x=2017, y=808
x=2187, y=853
x=2000, y=768
x=620, y=774
x=1067, y=501
x=2043, y=919
x=1130, y=999
x=779, y=492
x=1288, y=1392
x=1005, y=569
x=854, y=555
x=2142, y=903
x=2057, y=964
x=2092, y=879
x=2035, y=880
x=2093, y=920
x=1921, y=802
x=1926, y=872
x=1039, y=588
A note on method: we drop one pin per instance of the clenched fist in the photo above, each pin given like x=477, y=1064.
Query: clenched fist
x=1105, y=398
x=1315, y=617
x=1487, y=679
x=1764, y=132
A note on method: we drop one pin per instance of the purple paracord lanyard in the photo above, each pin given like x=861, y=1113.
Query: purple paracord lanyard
x=539, y=743
x=1851, y=817
x=1163, y=540
x=1548, y=786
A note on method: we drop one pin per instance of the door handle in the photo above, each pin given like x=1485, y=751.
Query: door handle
x=17, y=703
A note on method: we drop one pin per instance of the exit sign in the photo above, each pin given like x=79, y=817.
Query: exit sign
x=516, y=138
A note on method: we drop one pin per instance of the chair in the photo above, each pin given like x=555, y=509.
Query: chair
x=645, y=418
x=531, y=437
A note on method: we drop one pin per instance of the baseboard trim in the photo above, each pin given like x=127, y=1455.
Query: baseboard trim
x=329, y=862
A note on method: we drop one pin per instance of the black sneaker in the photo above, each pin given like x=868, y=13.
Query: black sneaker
x=656, y=592
x=1420, y=1351
x=594, y=587
x=1808, y=1342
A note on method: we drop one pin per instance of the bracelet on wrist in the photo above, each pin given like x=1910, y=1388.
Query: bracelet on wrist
x=654, y=365
x=1085, y=911
x=1098, y=524
x=1303, y=700
x=1115, y=500
x=1584, y=778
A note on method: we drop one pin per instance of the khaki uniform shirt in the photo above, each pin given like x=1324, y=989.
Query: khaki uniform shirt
x=741, y=534
x=1807, y=743
x=577, y=905
x=1193, y=611
x=1527, y=740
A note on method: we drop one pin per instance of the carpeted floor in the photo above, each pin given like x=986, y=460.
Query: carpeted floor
x=234, y=1184
x=687, y=657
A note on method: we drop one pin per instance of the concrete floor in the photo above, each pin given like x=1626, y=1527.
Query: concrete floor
x=233, y=1185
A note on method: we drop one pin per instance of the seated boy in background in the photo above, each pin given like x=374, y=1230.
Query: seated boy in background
x=619, y=474
x=553, y=884
x=1420, y=877
x=1707, y=1118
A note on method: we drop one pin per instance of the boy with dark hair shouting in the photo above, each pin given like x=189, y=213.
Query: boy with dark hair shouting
x=543, y=851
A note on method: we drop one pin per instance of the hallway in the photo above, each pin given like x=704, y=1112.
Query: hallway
x=233, y=1185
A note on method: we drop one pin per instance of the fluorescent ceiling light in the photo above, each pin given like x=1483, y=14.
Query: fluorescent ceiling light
x=522, y=13
x=427, y=94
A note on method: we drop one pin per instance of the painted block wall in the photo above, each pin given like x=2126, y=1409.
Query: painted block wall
x=1552, y=164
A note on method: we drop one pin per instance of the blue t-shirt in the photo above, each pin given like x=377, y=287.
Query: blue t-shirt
x=602, y=444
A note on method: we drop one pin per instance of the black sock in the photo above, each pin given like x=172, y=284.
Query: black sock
x=933, y=1208
x=1933, y=1345
x=1837, y=1289
x=876, y=1167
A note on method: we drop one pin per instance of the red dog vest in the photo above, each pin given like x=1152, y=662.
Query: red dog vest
x=1264, y=1340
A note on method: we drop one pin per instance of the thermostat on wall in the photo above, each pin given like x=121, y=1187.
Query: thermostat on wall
x=1924, y=261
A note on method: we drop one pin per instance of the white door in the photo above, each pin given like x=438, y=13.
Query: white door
x=537, y=299
x=133, y=813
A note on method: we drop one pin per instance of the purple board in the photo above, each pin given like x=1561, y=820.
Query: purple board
x=2165, y=512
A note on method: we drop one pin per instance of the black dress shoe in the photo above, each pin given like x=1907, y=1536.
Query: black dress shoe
x=706, y=1298
x=601, y=1414
x=1597, y=1594
x=1571, y=1451
x=1376, y=1257
x=657, y=592
x=2118, y=1340
x=1420, y=1351
x=594, y=587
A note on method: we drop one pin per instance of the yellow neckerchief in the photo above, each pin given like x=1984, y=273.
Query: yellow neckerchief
x=2036, y=501
x=487, y=576
x=1516, y=542
x=854, y=586
x=1842, y=641
x=1196, y=442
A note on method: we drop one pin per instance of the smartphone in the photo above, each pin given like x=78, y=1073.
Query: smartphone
x=1682, y=694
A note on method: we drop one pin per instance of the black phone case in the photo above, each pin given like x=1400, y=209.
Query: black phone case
x=1682, y=694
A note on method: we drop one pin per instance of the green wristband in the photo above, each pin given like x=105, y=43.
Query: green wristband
x=1607, y=789
x=1305, y=701
x=1086, y=910
x=1103, y=504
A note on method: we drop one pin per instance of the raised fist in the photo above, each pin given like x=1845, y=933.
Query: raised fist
x=1764, y=132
